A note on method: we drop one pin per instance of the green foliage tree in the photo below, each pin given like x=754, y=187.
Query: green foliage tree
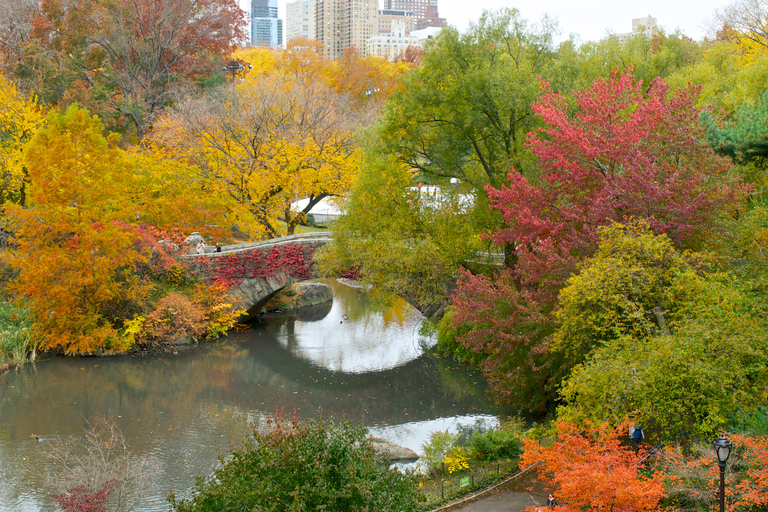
x=403, y=241
x=465, y=111
x=646, y=56
x=295, y=466
x=625, y=289
x=744, y=138
x=651, y=334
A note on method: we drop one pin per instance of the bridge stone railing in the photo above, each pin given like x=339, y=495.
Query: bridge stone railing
x=254, y=272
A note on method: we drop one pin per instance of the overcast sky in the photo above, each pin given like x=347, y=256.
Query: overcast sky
x=589, y=19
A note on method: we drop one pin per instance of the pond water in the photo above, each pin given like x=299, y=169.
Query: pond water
x=184, y=410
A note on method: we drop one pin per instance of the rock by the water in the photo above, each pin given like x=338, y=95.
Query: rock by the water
x=300, y=295
x=385, y=450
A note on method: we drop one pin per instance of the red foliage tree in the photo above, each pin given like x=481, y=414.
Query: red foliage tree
x=591, y=470
x=624, y=155
x=137, y=47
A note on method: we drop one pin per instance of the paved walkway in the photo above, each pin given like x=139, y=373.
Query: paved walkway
x=510, y=496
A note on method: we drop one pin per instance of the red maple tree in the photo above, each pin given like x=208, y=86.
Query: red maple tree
x=624, y=155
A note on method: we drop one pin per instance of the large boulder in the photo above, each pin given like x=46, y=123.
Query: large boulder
x=300, y=295
x=387, y=451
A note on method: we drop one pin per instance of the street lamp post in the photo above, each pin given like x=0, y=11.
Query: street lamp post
x=233, y=66
x=722, y=451
x=371, y=92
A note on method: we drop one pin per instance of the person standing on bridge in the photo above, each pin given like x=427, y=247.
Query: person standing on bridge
x=200, y=247
x=218, y=247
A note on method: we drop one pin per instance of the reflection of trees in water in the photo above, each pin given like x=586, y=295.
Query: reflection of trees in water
x=250, y=371
x=358, y=305
x=197, y=402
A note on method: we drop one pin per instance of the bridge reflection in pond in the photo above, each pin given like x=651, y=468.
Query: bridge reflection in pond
x=351, y=338
x=187, y=408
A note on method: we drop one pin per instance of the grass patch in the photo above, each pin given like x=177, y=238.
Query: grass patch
x=16, y=346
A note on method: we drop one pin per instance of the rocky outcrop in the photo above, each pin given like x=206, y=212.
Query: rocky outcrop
x=387, y=451
x=300, y=295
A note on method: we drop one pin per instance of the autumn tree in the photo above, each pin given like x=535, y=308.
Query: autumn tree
x=647, y=330
x=73, y=253
x=732, y=68
x=465, y=110
x=588, y=468
x=263, y=145
x=136, y=49
x=20, y=118
x=367, y=81
x=695, y=475
x=747, y=18
x=624, y=154
x=15, y=29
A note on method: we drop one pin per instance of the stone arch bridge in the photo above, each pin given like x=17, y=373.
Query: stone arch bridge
x=254, y=272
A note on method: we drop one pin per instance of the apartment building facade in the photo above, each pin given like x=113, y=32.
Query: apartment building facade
x=300, y=19
x=341, y=24
x=266, y=27
x=424, y=11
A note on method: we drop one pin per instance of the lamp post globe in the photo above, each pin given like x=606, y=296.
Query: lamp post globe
x=722, y=447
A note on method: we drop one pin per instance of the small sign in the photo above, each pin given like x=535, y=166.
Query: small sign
x=464, y=482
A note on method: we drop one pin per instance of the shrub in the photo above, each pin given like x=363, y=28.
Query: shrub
x=495, y=445
x=447, y=341
x=98, y=472
x=435, y=450
x=220, y=314
x=314, y=465
x=176, y=315
x=15, y=338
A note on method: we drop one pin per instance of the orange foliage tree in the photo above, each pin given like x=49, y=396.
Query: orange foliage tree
x=697, y=476
x=589, y=469
x=74, y=255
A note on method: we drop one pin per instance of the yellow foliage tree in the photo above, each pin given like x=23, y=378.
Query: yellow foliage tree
x=366, y=80
x=263, y=144
x=73, y=250
x=20, y=118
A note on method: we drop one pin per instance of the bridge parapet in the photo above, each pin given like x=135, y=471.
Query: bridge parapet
x=255, y=272
x=210, y=250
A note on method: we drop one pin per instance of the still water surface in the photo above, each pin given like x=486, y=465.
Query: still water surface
x=185, y=409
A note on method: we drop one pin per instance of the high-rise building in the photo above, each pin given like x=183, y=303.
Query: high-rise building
x=345, y=23
x=424, y=11
x=389, y=46
x=640, y=26
x=388, y=17
x=300, y=19
x=266, y=27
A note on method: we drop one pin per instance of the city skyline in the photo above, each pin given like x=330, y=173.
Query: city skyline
x=590, y=20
